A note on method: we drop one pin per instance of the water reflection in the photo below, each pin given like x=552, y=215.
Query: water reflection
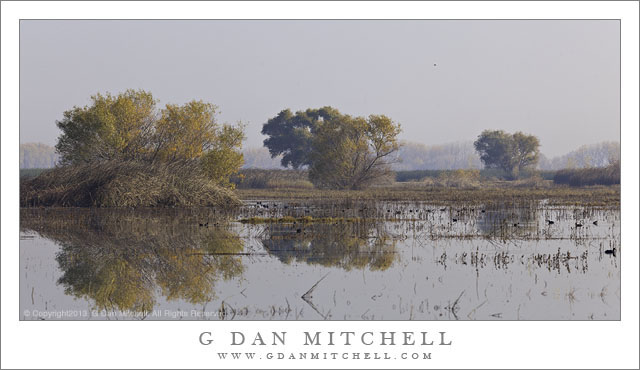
x=503, y=223
x=425, y=263
x=118, y=260
x=349, y=245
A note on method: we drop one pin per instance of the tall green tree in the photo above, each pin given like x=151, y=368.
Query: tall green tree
x=352, y=152
x=290, y=135
x=512, y=153
x=526, y=151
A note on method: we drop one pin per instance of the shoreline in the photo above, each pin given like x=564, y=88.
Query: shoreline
x=557, y=195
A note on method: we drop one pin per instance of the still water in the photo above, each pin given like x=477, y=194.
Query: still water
x=376, y=261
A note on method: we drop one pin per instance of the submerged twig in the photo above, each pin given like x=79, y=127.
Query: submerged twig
x=308, y=295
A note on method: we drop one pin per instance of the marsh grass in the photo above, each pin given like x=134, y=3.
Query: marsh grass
x=125, y=184
x=456, y=179
x=506, y=192
x=296, y=220
x=272, y=179
x=609, y=175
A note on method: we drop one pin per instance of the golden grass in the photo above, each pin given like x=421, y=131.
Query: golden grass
x=125, y=184
x=254, y=178
x=609, y=175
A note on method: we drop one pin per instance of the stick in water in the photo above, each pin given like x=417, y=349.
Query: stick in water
x=308, y=295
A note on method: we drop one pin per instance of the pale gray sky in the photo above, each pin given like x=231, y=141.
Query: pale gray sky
x=558, y=80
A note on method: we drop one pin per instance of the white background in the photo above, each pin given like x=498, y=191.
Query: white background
x=175, y=344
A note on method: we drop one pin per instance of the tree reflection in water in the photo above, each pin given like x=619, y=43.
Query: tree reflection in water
x=119, y=259
x=509, y=222
x=349, y=245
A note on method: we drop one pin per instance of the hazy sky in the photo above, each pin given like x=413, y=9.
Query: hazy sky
x=558, y=80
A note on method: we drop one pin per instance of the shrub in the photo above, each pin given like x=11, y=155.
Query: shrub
x=460, y=178
x=416, y=175
x=272, y=179
x=609, y=175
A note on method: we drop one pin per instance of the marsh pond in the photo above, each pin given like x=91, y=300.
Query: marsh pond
x=281, y=260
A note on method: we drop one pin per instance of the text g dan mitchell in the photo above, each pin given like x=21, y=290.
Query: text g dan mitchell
x=329, y=338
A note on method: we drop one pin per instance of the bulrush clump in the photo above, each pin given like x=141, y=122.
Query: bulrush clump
x=126, y=184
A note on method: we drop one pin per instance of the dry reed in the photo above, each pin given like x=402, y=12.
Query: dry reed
x=125, y=184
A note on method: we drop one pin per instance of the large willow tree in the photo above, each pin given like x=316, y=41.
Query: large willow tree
x=341, y=151
x=128, y=126
x=291, y=135
x=511, y=153
x=352, y=152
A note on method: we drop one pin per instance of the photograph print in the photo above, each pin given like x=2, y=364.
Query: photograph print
x=320, y=170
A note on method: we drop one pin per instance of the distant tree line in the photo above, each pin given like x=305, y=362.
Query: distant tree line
x=37, y=155
x=414, y=156
x=595, y=155
x=411, y=156
x=336, y=150
x=260, y=158
x=452, y=156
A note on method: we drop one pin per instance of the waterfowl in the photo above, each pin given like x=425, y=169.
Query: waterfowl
x=550, y=222
x=578, y=225
x=595, y=222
